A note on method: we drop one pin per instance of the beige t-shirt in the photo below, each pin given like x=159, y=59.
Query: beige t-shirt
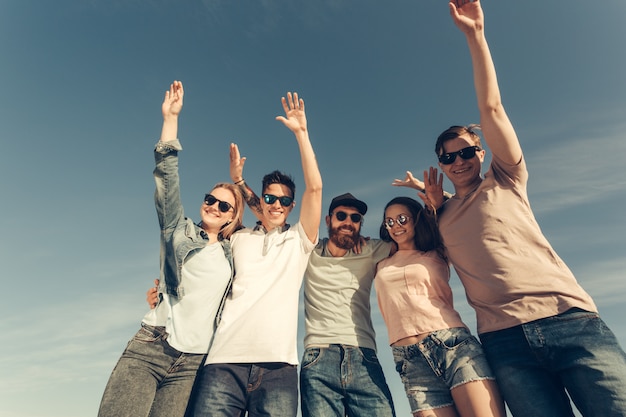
x=414, y=294
x=510, y=272
x=337, y=295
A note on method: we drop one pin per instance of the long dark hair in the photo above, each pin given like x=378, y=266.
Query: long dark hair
x=427, y=237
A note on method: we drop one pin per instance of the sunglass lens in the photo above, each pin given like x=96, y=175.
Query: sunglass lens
x=209, y=199
x=355, y=217
x=224, y=206
x=285, y=201
x=341, y=216
x=447, y=158
x=467, y=153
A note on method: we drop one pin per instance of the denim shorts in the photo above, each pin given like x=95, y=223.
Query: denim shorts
x=443, y=360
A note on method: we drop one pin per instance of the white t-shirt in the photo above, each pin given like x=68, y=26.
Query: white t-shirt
x=337, y=296
x=260, y=318
x=189, y=321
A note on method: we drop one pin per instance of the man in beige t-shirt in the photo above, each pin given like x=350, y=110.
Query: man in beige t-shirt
x=540, y=330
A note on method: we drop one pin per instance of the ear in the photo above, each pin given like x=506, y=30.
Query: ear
x=327, y=221
x=481, y=155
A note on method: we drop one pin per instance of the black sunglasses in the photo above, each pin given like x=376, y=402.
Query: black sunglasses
x=224, y=206
x=465, y=153
x=401, y=220
x=342, y=215
x=271, y=199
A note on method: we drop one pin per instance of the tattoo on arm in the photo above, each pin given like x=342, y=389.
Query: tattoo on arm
x=251, y=198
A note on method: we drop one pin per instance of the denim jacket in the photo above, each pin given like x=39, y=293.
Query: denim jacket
x=179, y=235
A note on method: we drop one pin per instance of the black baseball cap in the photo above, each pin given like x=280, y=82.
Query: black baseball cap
x=348, y=200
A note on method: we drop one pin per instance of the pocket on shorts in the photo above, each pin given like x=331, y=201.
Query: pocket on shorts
x=452, y=338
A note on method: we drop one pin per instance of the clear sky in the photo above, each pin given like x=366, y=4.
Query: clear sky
x=83, y=83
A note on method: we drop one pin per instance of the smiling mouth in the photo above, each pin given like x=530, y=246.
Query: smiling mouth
x=460, y=171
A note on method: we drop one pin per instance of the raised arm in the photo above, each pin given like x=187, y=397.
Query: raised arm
x=311, y=205
x=495, y=124
x=236, y=175
x=167, y=193
x=171, y=108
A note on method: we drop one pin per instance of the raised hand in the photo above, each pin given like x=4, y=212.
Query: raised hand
x=433, y=189
x=409, y=181
x=467, y=15
x=236, y=163
x=295, y=118
x=173, y=101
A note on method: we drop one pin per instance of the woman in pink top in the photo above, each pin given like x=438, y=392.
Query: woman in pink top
x=442, y=366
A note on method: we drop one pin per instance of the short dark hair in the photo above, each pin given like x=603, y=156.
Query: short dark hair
x=454, y=132
x=277, y=177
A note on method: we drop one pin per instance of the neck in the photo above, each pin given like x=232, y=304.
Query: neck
x=335, y=250
x=465, y=190
x=212, y=235
x=271, y=226
x=407, y=246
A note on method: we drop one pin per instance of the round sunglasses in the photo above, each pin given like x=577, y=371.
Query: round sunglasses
x=400, y=220
x=223, y=206
x=342, y=215
x=465, y=153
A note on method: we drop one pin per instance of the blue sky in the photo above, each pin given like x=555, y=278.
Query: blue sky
x=82, y=86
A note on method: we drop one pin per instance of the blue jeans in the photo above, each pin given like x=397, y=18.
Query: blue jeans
x=538, y=364
x=443, y=360
x=150, y=379
x=261, y=389
x=343, y=381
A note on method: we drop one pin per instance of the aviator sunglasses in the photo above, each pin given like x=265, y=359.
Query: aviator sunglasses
x=401, y=220
x=223, y=206
x=285, y=201
x=342, y=215
x=465, y=153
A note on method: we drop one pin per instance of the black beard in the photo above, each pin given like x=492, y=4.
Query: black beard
x=343, y=241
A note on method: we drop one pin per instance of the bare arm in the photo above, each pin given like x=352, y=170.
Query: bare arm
x=311, y=207
x=496, y=126
x=171, y=108
x=236, y=175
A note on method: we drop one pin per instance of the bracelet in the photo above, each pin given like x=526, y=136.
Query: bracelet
x=241, y=181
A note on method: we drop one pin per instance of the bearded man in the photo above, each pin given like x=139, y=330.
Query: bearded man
x=340, y=374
